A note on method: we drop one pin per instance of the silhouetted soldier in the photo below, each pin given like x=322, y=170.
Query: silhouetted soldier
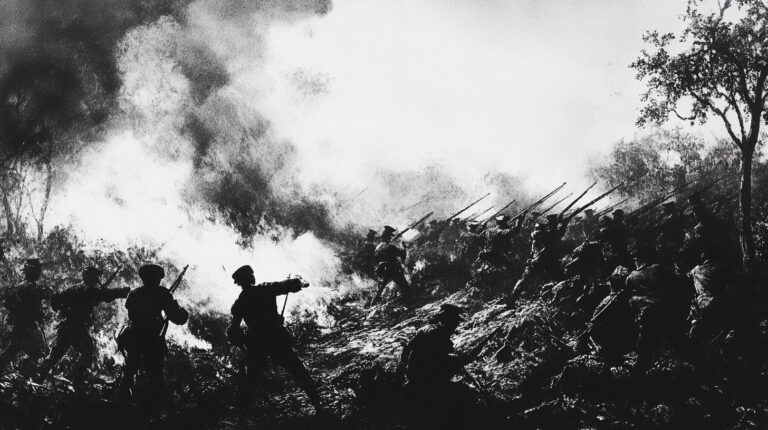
x=470, y=243
x=75, y=306
x=615, y=240
x=588, y=225
x=144, y=346
x=432, y=400
x=266, y=335
x=24, y=304
x=389, y=267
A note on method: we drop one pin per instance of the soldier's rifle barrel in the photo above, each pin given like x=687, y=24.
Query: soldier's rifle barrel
x=467, y=207
x=412, y=226
x=172, y=289
x=654, y=203
x=478, y=215
x=540, y=201
x=111, y=278
x=499, y=211
x=570, y=205
x=556, y=203
x=595, y=200
x=608, y=209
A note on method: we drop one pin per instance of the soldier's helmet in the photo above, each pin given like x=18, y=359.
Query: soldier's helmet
x=472, y=225
x=242, y=274
x=371, y=234
x=90, y=271
x=449, y=313
x=150, y=273
x=388, y=231
x=589, y=212
x=618, y=214
x=502, y=219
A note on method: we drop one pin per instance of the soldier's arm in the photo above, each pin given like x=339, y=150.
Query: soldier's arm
x=282, y=287
x=111, y=294
x=175, y=313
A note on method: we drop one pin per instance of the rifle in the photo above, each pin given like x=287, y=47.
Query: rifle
x=608, y=209
x=597, y=199
x=173, y=288
x=658, y=201
x=111, y=278
x=467, y=207
x=597, y=315
x=421, y=220
x=540, y=201
x=557, y=203
x=570, y=205
x=498, y=212
x=478, y=215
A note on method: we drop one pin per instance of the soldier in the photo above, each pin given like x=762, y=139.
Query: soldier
x=544, y=263
x=588, y=225
x=366, y=253
x=615, y=241
x=266, y=335
x=498, y=242
x=659, y=301
x=672, y=233
x=24, y=304
x=432, y=400
x=470, y=243
x=611, y=327
x=75, y=305
x=711, y=280
x=389, y=268
x=142, y=342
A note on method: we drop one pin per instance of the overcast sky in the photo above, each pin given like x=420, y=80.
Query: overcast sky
x=528, y=87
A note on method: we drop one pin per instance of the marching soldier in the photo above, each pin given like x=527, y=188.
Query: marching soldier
x=389, y=266
x=142, y=342
x=266, y=335
x=75, y=305
x=25, y=307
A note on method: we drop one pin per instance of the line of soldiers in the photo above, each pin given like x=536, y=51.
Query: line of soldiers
x=150, y=307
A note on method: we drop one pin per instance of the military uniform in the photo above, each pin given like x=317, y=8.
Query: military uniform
x=25, y=306
x=266, y=336
x=544, y=263
x=432, y=400
x=142, y=342
x=75, y=305
x=498, y=243
x=389, y=267
x=658, y=302
x=470, y=244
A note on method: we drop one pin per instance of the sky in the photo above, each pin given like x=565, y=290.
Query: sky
x=535, y=88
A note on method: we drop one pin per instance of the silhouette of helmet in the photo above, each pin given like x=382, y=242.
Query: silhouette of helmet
x=241, y=274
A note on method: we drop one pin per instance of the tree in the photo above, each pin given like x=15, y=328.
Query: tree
x=719, y=71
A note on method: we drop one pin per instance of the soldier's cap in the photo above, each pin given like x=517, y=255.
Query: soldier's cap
x=502, y=218
x=91, y=271
x=473, y=224
x=589, y=211
x=618, y=213
x=151, y=272
x=552, y=217
x=372, y=232
x=241, y=272
x=32, y=263
x=449, y=312
x=388, y=230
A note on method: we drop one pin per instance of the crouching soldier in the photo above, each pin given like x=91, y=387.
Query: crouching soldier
x=266, y=336
x=432, y=399
x=75, y=305
x=142, y=341
x=25, y=313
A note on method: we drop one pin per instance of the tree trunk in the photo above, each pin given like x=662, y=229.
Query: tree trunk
x=747, y=239
x=46, y=199
x=11, y=230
